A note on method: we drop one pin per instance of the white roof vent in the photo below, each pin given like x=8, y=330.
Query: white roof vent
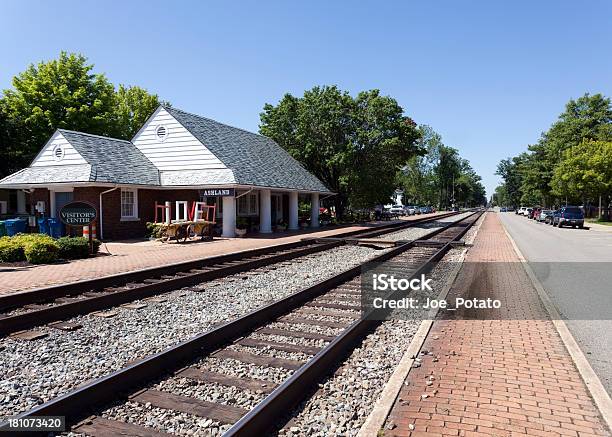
x=161, y=132
x=58, y=153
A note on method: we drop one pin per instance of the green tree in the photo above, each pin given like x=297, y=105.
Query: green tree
x=62, y=93
x=500, y=197
x=585, y=171
x=354, y=146
x=510, y=170
x=65, y=93
x=133, y=106
x=417, y=177
x=587, y=118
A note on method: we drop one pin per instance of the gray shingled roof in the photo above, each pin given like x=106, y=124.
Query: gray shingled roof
x=112, y=160
x=49, y=174
x=254, y=159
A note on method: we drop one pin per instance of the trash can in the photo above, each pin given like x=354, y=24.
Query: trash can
x=56, y=228
x=43, y=225
x=15, y=226
x=2, y=228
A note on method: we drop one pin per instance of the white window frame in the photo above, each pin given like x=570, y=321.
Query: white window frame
x=134, y=216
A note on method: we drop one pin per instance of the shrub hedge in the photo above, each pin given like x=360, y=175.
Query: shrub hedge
x=41, y=248
x=41, y=251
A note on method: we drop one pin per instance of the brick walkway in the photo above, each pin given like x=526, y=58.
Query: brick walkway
x=140, y=255
x=495, y=377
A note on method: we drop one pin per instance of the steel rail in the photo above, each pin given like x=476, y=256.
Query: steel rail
x=79, y=403
x=194, y=275
x=287, y=396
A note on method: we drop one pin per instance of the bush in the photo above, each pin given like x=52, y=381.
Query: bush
x=41, y=251
x=11, y=250
x=25, y=239
x=155, y=230
x=73, y=247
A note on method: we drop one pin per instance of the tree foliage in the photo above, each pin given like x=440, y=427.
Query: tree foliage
x=439, y=176
x=354, y=145
x=555, y=168
x=65, y=93
x=585, y=171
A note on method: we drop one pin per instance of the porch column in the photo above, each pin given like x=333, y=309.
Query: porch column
x=293, y=210
x=265, y=212
x=314, y=210
x=229, y=216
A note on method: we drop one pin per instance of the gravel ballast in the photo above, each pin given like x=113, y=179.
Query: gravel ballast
x=36, y=371
x=345, y=400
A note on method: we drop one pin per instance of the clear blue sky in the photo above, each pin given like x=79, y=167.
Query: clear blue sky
x=489, y=76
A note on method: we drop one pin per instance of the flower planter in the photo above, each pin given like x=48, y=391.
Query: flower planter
x=240, y=232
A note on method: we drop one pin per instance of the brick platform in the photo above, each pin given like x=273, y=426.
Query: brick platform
x=140, y=255
x=495, y=377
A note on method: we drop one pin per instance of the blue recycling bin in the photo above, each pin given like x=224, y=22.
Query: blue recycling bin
x=43, y=225
x=15, y=226
x=56, y=227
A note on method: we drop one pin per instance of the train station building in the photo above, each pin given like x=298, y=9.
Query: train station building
x=175, y=156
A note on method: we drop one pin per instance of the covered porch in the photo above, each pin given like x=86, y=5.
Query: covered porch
x=246, y=210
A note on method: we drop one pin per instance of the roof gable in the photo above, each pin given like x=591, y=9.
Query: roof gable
x=113, y=160
x=254, y=159
x=179, y=149
x=57, y=151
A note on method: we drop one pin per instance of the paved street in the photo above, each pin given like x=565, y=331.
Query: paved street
x=580, y=290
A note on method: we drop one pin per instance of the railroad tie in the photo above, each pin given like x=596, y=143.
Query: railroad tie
x=313, y=322
x=242, y=383
x=297, y=334
x=259, y=360
x=101, y=427
x=287, y=347
x=185, y=404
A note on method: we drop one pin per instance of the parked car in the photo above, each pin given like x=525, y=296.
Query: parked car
x=397, y=209
x=410, y=210
x=511, y=209
x=569, y=216
x=520, y=210
x=426, y=209
x=527, y=211
x=551, y=219
x=503, y=209
x=544, y=214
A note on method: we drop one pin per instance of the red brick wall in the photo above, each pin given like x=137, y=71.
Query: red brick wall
x=114, y=228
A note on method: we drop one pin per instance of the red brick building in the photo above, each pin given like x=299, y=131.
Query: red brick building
x=176, y=156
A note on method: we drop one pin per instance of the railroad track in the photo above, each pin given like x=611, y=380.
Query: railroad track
x=52, y=305
x=304, y=337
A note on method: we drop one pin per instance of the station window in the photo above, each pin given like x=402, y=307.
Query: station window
x=129, y=204
x=248, y=205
